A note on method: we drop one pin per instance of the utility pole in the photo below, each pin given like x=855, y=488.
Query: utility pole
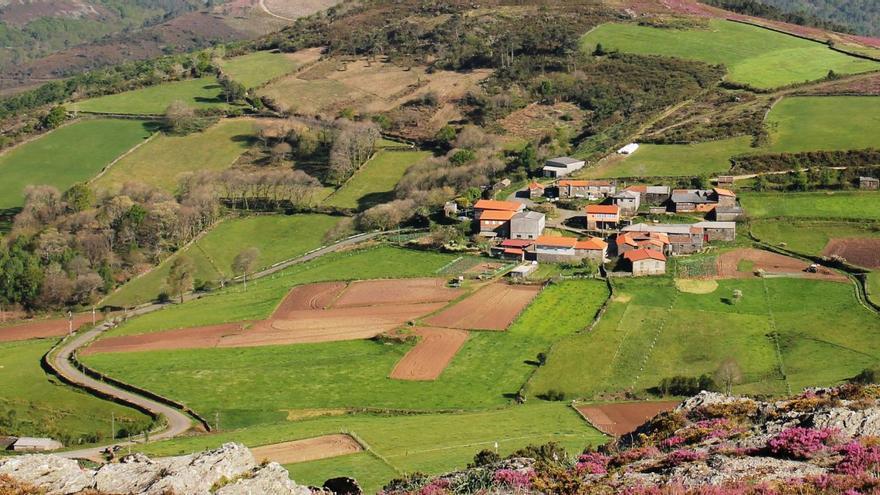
x=217, y=420
x=94, y=320
x=113, y=426
x=69, y=322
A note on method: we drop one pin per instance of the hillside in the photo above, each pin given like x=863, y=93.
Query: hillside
x=863, y=16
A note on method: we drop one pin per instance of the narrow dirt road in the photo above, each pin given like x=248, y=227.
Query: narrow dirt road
x=273, y=14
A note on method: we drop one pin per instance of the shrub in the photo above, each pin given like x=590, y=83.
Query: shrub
x=800, y=443
x=514, y=479
x=682, y=456
x=593, y=463
x=485, y=457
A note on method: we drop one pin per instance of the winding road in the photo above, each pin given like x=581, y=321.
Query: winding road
x=177, y=422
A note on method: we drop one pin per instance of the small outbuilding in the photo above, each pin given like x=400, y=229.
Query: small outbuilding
x=628, y=149
x=523, y=271
x=869, y=183
x=646, y=262
x=30, y=444
x=562, y=166
x=536, y=190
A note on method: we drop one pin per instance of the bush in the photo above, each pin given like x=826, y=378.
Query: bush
x=552, y=395
x=485, y=457
x=866, y=377
x=686, y=385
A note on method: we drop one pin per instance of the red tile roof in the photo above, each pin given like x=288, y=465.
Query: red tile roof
x=724, y=192
x=491, y=204
x=638, y=189
x=583, y=183
x=516, y=243
x=533, y=186
x=592, y=244
x=643, y=254
x=603, y=209
x=556, y=241
x=515, y=251
x=498, y=215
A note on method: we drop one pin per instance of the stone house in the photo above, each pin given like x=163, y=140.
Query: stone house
x=601, y=217
x=589, y=189
x=651, y=195
x=869, y=183
x=558, y=249
x=536, y=190
x=646, y=262
x=631, y=241
x=627, y=201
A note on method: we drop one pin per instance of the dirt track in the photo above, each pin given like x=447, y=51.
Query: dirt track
x=38, y=329
x=428, y=359
x=309, y=449
x=622, y=418
x=493, y=307
x=770, y=263
x=863, y=252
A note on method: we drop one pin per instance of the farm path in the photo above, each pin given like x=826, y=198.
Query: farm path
x=273, y=14
x=177, y=422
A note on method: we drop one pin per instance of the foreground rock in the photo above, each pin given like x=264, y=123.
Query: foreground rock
x=228, y=470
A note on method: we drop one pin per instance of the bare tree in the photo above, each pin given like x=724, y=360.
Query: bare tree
x=179, y=118
x=354, y=145
x=728, y=374
x=180, y=277
x=244, y=263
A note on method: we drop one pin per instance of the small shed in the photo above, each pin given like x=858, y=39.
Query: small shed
x=7, y=442
x=628, y=149
x=869, y=183
x=523, y=271
x=30, y=444
x=724, y=180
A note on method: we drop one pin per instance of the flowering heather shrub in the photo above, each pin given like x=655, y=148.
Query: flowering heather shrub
x=681, y=456
x=436, y=487
x=858, y=458
x=514, y=479
x=633, y=455
x=672, y=441
x=800, y=443
x=593, y=463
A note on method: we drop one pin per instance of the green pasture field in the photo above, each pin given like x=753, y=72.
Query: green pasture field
x=755, y=56
x=374, y=182
x=74, y=153
x=813, y=205
x=278, y=237
x=807, y=123
x=163, y=160
x=40, y=405
x=488, y=370
x=203, y=92
x=429, y=443
x=651, y=331
x=671, y=160
x=809, y=237
x=873, y=286
x=258, y=68
x=263, y=295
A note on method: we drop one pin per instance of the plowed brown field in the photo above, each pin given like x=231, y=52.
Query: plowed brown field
x=310, y=449
x=771, y=263
x=622, y=418
x=493, y=307
x=39, y=329
x=186, y=338
x=376, y=292
x=309, y=296
x=428, y=359
x=862, y=251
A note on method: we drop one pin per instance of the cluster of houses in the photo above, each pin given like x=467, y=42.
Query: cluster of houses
x=644, y=246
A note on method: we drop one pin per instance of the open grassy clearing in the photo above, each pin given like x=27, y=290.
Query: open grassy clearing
x=71, y=154
x=873, y=286
x=489, y=368
x=203, y=92
x=40, y=405
x=825, y=337
x=278, y=237
x=374, y=182
x=163, y=160
x=660, y=160
x=814, y=205
x=258, y=68
x=755, y=56
x=808, y=237
x=235, y=304
x=807, y=123
x=430, y=443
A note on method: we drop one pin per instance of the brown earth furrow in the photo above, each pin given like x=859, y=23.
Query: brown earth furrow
x=433, y=353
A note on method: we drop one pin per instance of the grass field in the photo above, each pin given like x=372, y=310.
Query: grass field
x=278, y=237
x=489, y=368
x=808, y=237
x=255, y=69
x=659, y=160
x=752, y=55
x=374, y=182
x=200, y=93
x=163, y=160
x=41, y=405
x=873, y=286
x=71, y=154
x=816, y=205
x=808, y=123
x=651, y=331
x=430, y=443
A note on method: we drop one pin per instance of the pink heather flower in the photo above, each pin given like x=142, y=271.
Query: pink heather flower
x=672, y=441
x=800, y=443
x=436, y=487
x=684, y=455
x=633, y=455
x=857, y=459
x=513, y=478
x=593, y=463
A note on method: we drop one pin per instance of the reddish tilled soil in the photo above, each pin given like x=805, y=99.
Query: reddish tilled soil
x=428, y=359
x=310, y=449
x=39, y=329
x=187, y=338
x=403, y=291
x=771, y=263
x=861, y=252
x=622, y=418
x=493, y=307
x=310, y=296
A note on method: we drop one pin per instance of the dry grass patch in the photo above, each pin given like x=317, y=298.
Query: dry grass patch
x=695, y=286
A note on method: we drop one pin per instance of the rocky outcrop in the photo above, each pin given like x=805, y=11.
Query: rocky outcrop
x=228, y=470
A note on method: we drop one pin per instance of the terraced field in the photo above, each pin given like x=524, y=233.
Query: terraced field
x=374, y=182
x=255, y=69
x=816, y=205
x=153, y=100
x=807, y=123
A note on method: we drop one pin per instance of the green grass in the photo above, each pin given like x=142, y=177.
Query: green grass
x=873, y=286
x=278, y=237
x=42, y=406
x=815, y=205
x=825, y=337
x=71, y=154
x=255, y=69
x=489, y=367
x=808, y=237
x=261, y=298
x=659, y=160
x=430, y=443
x=374, y=182
x=752, y=55
x=162, y=161
x=200, y=93
x=807, y=123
